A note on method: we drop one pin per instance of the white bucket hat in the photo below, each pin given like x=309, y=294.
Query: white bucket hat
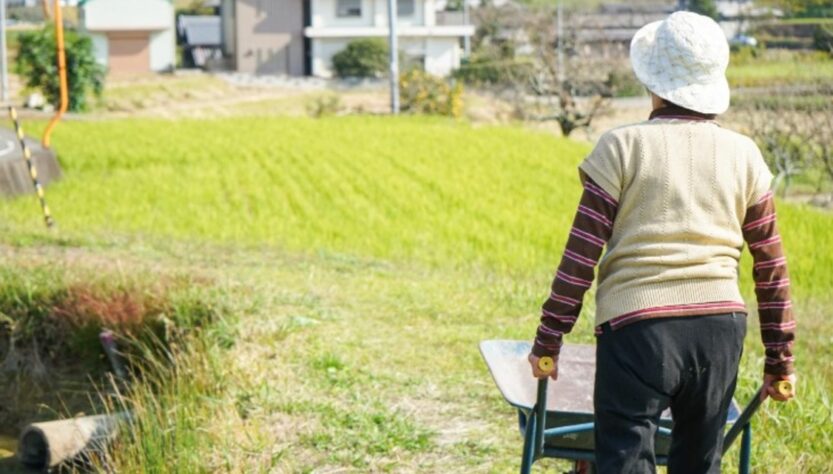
x=683, y=59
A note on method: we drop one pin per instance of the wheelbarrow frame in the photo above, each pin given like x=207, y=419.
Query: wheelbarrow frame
x=570, y=414
x=533, y=427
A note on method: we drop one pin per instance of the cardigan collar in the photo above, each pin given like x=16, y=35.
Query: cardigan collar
x=676, y=112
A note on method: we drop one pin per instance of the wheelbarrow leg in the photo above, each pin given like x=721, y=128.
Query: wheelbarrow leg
x=535, y=426
x=745, y=449
x=528, y=456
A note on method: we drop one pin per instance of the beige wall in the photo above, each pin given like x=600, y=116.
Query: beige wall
x=129, y=52
x=270, y=37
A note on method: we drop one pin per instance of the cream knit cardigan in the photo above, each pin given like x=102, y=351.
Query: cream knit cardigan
x=683, y=188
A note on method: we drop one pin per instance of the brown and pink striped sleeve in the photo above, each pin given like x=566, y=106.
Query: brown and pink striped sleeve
x=772, y=285
x=592, y=227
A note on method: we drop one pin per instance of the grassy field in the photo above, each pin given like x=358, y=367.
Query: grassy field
x=364, y=259
x=780, y=68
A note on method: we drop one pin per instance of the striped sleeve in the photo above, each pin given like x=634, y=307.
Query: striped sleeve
x=592, y=227
x=772, y=285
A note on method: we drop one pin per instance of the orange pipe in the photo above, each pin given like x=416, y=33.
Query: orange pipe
x=62, y=73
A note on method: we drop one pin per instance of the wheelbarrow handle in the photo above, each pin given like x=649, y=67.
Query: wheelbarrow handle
x=541, y=416
x=743, y=420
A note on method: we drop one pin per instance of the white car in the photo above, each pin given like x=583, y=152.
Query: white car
x=743, y=40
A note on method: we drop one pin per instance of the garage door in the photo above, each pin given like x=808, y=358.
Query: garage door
x=129, y=52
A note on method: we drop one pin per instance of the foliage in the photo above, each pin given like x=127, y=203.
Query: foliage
x=324, y=105
x=482, y=70
x=823, y=38
x=623, y=83
x=454, y=5
x=703, y=7
x=802, y=8
x=60, y=315
x=366, y=57
x=37, y=62
x=193, y=7
x=423, y=93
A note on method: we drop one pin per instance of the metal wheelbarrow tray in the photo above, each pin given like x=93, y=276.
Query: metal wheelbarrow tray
x=556, y=418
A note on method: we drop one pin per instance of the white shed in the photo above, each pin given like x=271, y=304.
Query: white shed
x=131, y=36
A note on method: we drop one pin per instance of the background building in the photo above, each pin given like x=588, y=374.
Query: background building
x=300, y=37
x=131, y=36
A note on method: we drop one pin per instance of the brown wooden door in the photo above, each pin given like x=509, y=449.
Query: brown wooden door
x=129, y=52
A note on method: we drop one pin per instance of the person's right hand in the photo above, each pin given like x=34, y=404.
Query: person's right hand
x=536, y=370
x=769, y=390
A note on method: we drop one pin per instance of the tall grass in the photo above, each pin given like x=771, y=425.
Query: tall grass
x=433, y=191
x=51, y=316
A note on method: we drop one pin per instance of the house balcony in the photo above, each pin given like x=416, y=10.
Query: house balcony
x=436, y=31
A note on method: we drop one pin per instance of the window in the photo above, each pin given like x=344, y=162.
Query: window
x=348, y=8
x=404, y=7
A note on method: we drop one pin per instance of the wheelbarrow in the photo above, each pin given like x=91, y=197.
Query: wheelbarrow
x=557, y=421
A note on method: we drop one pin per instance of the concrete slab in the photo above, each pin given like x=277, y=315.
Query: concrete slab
x=14, y=174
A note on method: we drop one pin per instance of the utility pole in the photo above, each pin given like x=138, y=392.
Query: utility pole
x=467, y=38
x=394, y=58
x=4, y=68
x=559, y=27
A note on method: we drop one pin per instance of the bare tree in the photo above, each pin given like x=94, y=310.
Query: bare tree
x=572, y=90
x=822, y=143
x=795, y=133
x=778, y=130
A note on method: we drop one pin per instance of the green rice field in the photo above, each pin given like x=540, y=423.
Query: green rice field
x=364, y=258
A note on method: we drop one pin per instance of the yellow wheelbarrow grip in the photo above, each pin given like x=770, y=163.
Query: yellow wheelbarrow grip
x=546, y=364
x=784, y=387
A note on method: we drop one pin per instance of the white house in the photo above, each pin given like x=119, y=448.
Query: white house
x=336, y=22
x=131, y=36
x=300, y=37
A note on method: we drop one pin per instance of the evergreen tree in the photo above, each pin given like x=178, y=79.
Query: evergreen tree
x=703, y=7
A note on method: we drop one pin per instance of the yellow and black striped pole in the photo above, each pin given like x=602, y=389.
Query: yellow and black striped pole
x=33, y=172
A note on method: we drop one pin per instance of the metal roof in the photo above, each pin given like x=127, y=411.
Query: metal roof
x=200, y=30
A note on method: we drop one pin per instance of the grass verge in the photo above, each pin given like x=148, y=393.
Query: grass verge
x=364, y=259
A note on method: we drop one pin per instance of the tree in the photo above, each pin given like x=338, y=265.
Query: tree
x=550, y=87
x=362, y=58
x=816, y=8
x=704, y=7
x=37, y=62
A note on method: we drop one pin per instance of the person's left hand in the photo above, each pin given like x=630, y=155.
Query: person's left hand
x=540, y=374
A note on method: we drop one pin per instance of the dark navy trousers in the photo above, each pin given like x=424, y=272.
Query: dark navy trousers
x=689, y=364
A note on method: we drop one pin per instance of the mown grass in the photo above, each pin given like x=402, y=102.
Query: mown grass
x=341, y=363
x=124, y=94
x=366, y=258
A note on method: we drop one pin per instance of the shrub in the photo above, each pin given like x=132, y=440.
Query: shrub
x=704, y=7
x=37, y=62
x=362, y=58
x=623, y=83
x=823, y=38
x=324, y=105
x=483, y=70
x=426, y=94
